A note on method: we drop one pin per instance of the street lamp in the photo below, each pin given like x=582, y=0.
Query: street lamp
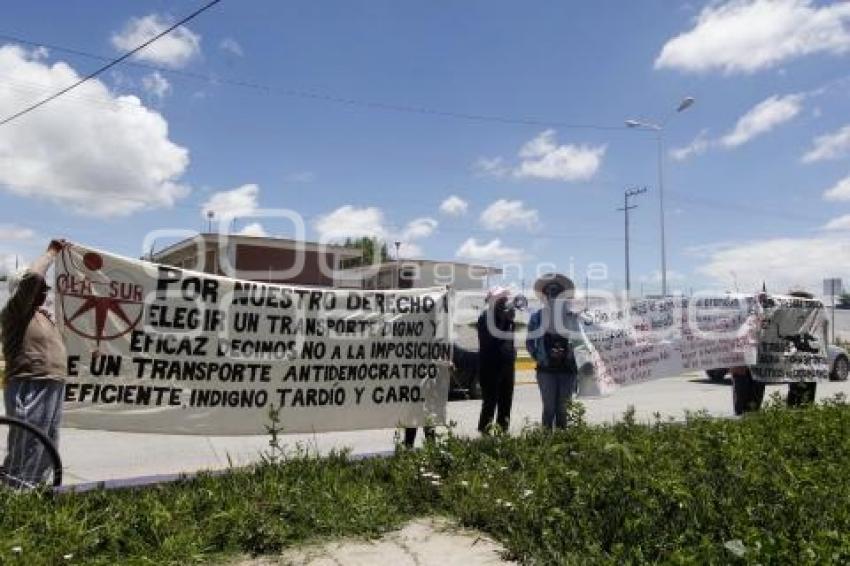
x=658, y=128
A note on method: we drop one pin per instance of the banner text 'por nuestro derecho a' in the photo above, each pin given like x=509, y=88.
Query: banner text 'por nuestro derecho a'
x=155, y=348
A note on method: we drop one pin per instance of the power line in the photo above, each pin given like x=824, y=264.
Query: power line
x=109, y=65
x=323, y=97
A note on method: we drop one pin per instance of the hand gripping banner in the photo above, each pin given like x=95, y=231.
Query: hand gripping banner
x=154, y=348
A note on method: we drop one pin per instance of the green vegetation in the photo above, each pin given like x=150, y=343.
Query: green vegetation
x=372, y=251
x=770, y=488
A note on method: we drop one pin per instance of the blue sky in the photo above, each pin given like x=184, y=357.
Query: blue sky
x=757, y=171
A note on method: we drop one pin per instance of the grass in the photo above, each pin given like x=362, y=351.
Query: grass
x=770, y=488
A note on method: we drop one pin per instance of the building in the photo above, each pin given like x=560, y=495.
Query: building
x=274, y=260
x=409, y=273
x=280, y=260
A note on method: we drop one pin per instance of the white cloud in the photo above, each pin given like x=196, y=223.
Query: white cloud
x=239, y=202
x=11, y=232
x=745, y=36
x=354, y=222
x=232, y=46
x=781, y=263
x=491, y=251
x=699, y=145
x=351, y=222
x=840, y=223
x=840, y=191
x=174, y=50
x=543, y=158
x=419, y=228
x=758, y=120
x=253, y=229
x=504, y=214
x=156, y=85
x=409, y=250
x=110, y=158
x=829, y=146
x=454, y=206
x=491, y=167
x=762, y=118
x=10, y=262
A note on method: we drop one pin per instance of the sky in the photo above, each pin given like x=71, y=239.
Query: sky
x=482, y=130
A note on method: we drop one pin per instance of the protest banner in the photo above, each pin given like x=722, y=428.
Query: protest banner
x=781, y=339
x=154, y=348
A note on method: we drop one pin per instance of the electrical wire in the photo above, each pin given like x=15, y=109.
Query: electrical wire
x=109, y=65
x=324, y=97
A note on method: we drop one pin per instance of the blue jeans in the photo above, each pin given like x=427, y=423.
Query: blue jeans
x=556, y=390
x=39, y=403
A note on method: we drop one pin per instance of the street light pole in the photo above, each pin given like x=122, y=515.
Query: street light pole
x=686, y=103
x=659, y=136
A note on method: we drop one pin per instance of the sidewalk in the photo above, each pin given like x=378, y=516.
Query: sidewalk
x=421, y=542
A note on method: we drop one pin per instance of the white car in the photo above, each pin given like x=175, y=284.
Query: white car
x=839, y=365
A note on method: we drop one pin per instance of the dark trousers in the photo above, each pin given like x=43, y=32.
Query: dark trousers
x=800, y=394
x=497, y=396
x=410, y=435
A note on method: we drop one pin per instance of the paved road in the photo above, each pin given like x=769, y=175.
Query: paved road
x=100, y=456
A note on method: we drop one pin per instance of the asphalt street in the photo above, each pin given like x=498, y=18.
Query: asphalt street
x=94, y=456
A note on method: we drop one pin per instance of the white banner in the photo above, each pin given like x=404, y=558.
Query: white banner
x=782, y=339
x=155, y=348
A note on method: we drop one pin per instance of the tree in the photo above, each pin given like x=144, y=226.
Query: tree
x=369, y=248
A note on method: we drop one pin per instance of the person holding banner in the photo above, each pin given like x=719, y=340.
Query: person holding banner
x=497, y=354
x=462, y=359
x=35, y=366
x=548, y=343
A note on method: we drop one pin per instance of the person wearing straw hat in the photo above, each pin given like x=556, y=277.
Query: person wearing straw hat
x=497, y=354
x=548, y=343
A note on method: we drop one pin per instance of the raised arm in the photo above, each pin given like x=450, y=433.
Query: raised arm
x=22, y=303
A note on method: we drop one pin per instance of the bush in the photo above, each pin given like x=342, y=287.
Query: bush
x=770, y=488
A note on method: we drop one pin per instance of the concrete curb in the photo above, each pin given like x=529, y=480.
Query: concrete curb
x=158, y=479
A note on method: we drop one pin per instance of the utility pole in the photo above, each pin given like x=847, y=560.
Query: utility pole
x=628, y=193
x=586, y=292
x=397, y=265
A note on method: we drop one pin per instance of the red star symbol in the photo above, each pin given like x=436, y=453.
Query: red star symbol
x=102, y=307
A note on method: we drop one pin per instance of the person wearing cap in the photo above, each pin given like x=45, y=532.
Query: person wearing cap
x=35, y=366
x=497, y=357
x=548, y=343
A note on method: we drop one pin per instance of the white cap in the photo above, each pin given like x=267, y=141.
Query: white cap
x=496, y=293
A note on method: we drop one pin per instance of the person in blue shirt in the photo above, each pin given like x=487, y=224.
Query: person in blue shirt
x=548, y=343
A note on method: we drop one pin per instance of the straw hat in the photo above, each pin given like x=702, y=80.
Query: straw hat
x=569, y=288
